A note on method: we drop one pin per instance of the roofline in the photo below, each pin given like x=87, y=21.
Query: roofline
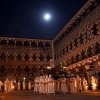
x=26, y=39
x=85, y=6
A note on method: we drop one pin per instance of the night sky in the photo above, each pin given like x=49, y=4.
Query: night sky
x=24, y=18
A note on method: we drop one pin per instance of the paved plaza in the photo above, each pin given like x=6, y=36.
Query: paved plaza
x=30, y=95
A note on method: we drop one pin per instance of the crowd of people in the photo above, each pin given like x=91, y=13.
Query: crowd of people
x=48, y=85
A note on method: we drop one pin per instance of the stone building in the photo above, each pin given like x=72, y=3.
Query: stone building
x=76, y=48
x=21, y=57
x=77, y=45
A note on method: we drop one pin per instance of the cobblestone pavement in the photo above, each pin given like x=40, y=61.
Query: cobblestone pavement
x=30, y=95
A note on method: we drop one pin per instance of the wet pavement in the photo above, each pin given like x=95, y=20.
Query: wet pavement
x=30, y=95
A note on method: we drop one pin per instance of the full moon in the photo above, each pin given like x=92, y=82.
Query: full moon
x=47, y=16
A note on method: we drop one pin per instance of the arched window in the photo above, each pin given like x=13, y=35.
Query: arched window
x=11, y=42
x=48, y=57
x=34, y=57
x=26, y=43
x=26, y=69
x=19, y=69
x=60, y=53
x=2, y=69
x=70, y=45
x=82, y=55
x=55, y=56
x=63, y=51
x=33, y=44
x=11, y=69
x=19, y=43
x=81, y=39
x=67, y=48
x=72, y=60
x=47, y=44
x=89, y=52
x=26, y=57
x=41, y=57
x=87, y=35
x=94, y=28
x=3, y=57
x=77, y=57
x=41, y=68
x=10, y=56
x=40, y=44
x=3, y=42
x=34, y=68
x=97, y=48
x=19, y=57
x=75, y=42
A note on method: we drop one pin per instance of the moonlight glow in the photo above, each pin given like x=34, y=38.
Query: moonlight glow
x=47, y=16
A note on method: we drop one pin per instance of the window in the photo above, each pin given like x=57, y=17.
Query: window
x=33, y=44
x=40, y=44
x=18, y=43
x=3, y=57
x=75, y=41
x=82, y=55
x=87, y=35
x=67, y=48
x=11, y=42
x=19, y=69
x=3, y=42
x=47, y=44
x=41, y=57
x=19, y=57
x=2, y=69
x=63, y=51
x=81, y=39
x=10, y=56
x=34, y=57
x=26, y=57
x=94, y=30
x=48, y=57
x=26, y=43
x=26, y=69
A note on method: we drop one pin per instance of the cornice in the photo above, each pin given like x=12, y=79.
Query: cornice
x=78, y=15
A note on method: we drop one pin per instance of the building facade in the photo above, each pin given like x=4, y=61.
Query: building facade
x=77, y=45
x=75, y=48
x=21, y=57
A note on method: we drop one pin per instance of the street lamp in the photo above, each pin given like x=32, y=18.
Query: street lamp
x=24, y=78
x=49, y=68
x=64, y=67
